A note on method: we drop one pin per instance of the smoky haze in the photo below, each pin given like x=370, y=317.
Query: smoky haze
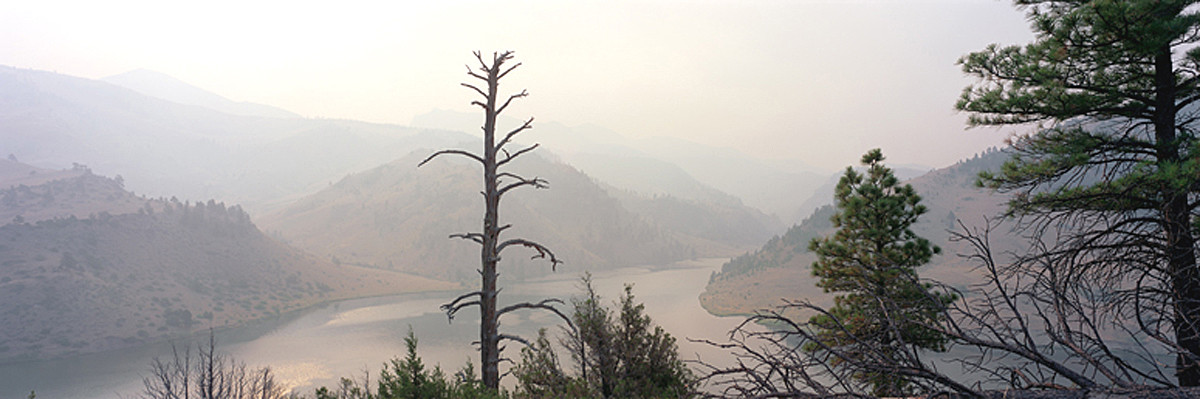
x=818, y=81
x=171, y=168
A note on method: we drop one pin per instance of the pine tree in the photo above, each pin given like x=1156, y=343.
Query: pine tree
x=1111, y=173
x=626, y=356
x=871, y=262
x=540, y=375
x=408, y=379
x=649, y=359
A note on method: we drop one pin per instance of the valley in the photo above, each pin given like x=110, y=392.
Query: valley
x=653, y=199
x=266, y=214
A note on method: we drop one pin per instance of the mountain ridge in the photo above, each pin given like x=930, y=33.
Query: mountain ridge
x=160, y=85
x=769, y=186
x=164, y=148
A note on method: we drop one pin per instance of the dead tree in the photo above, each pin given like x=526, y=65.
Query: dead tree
x=208, y=375
x=496, y=183
x=1034, y=326
x=1023, y=327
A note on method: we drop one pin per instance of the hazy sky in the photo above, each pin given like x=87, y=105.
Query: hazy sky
x=822, y=81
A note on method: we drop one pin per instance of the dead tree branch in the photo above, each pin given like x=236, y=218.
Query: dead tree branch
x=1024, y=326
x=458, y=152
x=542, y=251
x=457, y=304
x=509, y=158
x=513, y=133
x=476, y=237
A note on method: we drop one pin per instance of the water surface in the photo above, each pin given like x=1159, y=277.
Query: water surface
x=318, y=346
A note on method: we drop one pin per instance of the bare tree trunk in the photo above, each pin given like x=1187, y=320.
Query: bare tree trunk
x=496, y=183
x=489, y=331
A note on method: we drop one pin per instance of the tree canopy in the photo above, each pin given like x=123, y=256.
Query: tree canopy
x=1109, y=176
x=871, y=261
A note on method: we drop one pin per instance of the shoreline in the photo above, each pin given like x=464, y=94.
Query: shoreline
x=277, y=319
x=292, y=314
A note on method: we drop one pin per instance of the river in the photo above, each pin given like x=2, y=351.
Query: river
x=318, y=346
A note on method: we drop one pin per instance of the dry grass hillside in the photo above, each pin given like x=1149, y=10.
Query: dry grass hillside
x=781, y=268
x=103, y=277
x=399, y=217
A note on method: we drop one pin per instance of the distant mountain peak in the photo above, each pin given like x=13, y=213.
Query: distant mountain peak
x=166, y=87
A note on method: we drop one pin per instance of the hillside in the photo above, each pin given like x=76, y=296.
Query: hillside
x=726, y=222
x=664, y=166
x=86, y=266
x=155, y=84
x=169, y=148
x=399, y=216
x=167, y=138
x=781, y=267
x=44, y=194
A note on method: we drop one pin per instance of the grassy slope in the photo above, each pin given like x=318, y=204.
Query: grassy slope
x=398, y=217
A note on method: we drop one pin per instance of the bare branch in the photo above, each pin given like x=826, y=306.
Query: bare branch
x=508, y=137
x=535, y=182
x=458, y=152
x=457, y=304
x=478, y=238
x=523, y=93
x=543, y=252
x=510, y=69
x=477, y=90
x=502, y=337
x=509, y=158
x=483, y=65
x=544, y=305
x=475, y=75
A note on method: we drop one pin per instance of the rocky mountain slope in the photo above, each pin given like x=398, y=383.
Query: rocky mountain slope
x=86, y=266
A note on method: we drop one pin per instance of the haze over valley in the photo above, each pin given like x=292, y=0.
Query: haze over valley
x=652, y=199
x=187, y=211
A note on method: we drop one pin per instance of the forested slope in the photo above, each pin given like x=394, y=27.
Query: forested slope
x=86, y=266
